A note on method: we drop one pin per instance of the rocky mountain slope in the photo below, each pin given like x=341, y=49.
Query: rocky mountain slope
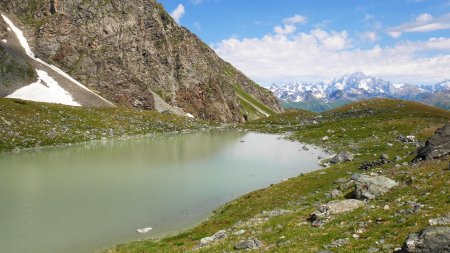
x=358, y=86
x=133, y=54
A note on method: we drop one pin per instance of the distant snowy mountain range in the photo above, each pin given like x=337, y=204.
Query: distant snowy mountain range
x=357, y=86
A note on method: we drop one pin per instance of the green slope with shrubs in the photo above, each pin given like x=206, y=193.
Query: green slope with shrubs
x=25, y=124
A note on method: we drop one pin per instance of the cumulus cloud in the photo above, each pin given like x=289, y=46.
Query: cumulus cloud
x=319, y=55
x=423, y=23
x=178, y=13
x=290, y=25
x=296, y=19
x=285, y=30
x=369, y=36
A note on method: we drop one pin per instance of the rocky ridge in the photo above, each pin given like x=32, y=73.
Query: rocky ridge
x=133, y=53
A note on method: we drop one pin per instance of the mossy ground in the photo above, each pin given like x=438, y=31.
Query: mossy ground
x=367, y=129
x=25, y=124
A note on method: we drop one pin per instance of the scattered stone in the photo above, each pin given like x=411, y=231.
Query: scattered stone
x=334, y=207
x=239, y=232
x=437, y=146
x=373, y=250
x=341, y=181
x=407, y=139
x=368, y=165
x=370, y=187
x=429, y=240
x=334, y=194
x=398, y=158
x=276, y=212
x=440, y=221
x=386, y=207
x=344, y=156
x=206, y=241
x=338, y=243
x=318, y=223
x=250, y=243
x=384, y=157
x=210, y=239
x=325, y=138
x=341, y=206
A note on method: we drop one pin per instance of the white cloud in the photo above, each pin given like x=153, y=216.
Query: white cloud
x=290, y=25
x=423, y=23
x=196, y=2
x=319, y=55
x=296, y=19
x=285, y=30
x=178, y=13
x=424, y=17
x=369, y=36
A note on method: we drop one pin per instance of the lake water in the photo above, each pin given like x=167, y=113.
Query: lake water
x=87, y=197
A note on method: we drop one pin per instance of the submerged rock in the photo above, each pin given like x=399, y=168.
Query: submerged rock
x=371, y=187
x=429, y=240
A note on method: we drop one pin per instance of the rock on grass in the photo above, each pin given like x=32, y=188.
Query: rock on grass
x=371, y=187
x=430, y=240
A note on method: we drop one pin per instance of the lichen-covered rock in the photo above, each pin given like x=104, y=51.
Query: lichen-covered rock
x=371, y=187
x=437, y=146
x=430, y=240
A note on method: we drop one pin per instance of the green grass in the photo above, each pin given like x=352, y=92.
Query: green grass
x=254, y=102
x=365, y=129
x=25, y=124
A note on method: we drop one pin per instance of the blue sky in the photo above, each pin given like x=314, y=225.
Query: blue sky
x=295, y=40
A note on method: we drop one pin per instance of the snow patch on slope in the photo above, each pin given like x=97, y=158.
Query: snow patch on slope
x=24, y=43
x=46, y=89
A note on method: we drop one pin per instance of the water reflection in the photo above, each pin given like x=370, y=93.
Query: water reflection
x=84, y=197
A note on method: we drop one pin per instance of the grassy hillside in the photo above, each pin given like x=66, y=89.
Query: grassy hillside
x=367, y=129
x=25, y=124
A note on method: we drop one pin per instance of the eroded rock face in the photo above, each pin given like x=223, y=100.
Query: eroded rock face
x=371, y=187
x=130, y=51
x=430, y=240
x=437, y=146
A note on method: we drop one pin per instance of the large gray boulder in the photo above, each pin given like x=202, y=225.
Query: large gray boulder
x=437, y=146
x=430, y=240
x=371, y=187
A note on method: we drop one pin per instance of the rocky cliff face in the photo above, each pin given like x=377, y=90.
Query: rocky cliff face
x=132, y=53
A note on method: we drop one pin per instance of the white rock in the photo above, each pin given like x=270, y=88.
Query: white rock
x=144, y=230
